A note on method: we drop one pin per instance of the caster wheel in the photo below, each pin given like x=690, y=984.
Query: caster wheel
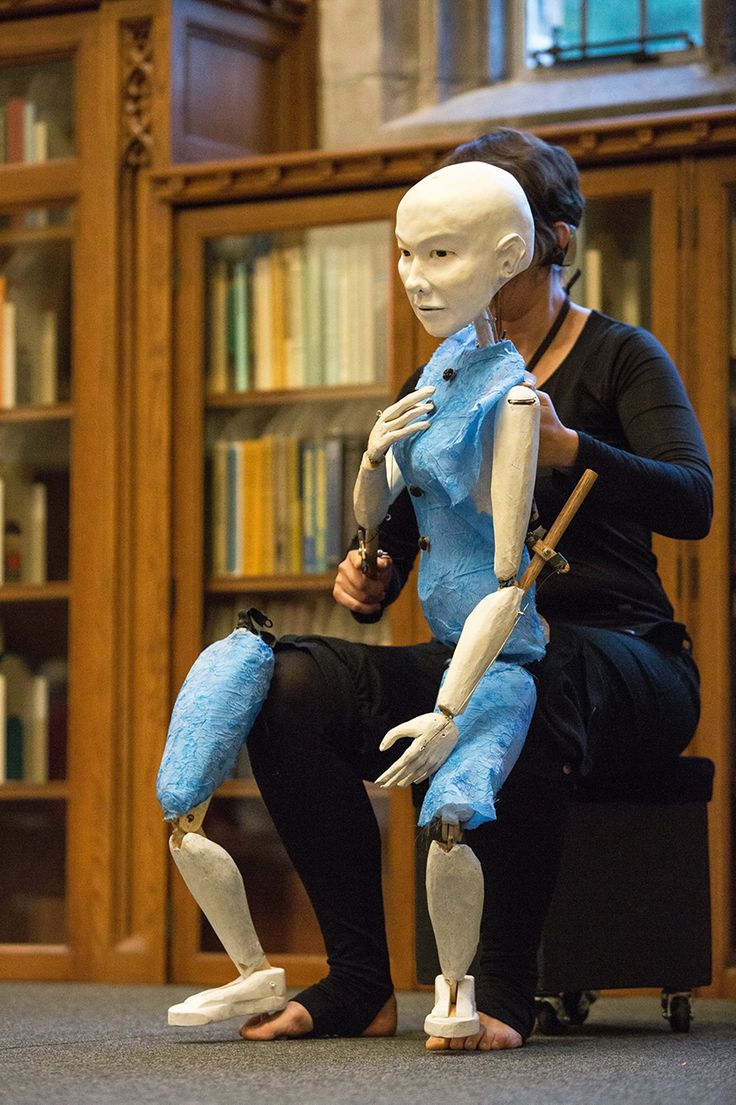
x=577, y=1005
x=549, y=1021
x=680, y=1014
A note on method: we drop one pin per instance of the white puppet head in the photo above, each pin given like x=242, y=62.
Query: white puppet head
x=463, y=232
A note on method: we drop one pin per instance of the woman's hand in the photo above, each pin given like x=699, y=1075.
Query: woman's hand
x=356, y=591
x=558, y=446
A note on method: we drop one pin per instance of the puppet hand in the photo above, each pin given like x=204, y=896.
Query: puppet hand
x=398, y=421
x=435, y=736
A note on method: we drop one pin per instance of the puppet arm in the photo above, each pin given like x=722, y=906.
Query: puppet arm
x=489, y=625
x=379, y=480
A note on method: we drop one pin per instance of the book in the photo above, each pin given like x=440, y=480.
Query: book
x=593, y=271
x=217, y=352
x=36, y=540
x=265, y=492
x=36, y=750
x=44, y=380
x=15, y=129
x=17, y=694
x=294, y=343
x=263, y=375
x=334, y=451
x=309, y=492
x=241, y=338
x=234, y=508
x=250, y=513
x=8, y=368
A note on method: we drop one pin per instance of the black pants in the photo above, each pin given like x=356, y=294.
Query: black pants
x=608, y=703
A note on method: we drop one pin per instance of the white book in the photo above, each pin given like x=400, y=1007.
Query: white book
x=294, y=343
x=44, y=380
x=35, y=560
x=9, y=352
x=36, y=750
x=40, y=140
x=593, y=273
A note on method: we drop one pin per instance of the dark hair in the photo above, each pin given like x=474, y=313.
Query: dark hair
x=548, y=175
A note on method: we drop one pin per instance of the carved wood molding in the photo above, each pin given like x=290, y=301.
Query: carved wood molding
x=137, y=130
x=636, y=138
x=286, y=11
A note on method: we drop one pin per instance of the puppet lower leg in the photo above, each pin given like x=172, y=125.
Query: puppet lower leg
x=217, y=886
x=455, y=900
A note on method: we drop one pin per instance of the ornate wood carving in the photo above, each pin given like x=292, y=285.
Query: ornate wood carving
x=634, y=138
x=137, y=131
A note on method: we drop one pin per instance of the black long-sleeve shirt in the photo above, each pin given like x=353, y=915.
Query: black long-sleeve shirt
x=620, y=391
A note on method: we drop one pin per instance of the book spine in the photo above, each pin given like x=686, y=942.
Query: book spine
x=15, y=138
x=219, y=492
x=594, y=279
x=320, y=506
x=36, y=752
x=9, y=353
x=35, y=564
x=334, y=520
x=217, y=368
x=309, y=552
x=240, y=326
x=44, y=382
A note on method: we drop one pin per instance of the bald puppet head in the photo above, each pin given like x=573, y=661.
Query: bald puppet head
x=463, y=232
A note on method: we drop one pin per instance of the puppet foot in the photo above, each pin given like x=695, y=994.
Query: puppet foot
x=262, y=992
x=449, y=1019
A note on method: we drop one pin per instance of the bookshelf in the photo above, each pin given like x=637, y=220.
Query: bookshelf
x=640, y=175
x=91, y=94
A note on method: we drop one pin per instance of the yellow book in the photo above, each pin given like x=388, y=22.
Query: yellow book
x=251, y=459
x=294, y=506
x=266, y=493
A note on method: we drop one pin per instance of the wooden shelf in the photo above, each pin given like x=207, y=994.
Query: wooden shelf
x=55, y=591
x=15, y=790
x=59, y=412
x=234, y=400
x=319, y=581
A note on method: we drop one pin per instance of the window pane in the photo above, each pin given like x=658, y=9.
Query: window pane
x=567, y=24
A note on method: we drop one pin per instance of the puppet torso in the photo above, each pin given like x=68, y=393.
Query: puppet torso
x=447, y=469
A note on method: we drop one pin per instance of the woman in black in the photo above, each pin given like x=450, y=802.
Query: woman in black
x=617, y=689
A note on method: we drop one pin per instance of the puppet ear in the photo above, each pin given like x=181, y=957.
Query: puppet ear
x=513, y=255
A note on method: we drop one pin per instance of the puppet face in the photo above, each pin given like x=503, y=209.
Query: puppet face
x=458, y=231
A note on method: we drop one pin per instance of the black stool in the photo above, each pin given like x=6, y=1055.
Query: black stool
x=631, y=908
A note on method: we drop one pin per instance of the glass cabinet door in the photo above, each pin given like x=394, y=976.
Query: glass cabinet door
x=36, y=111
x=35, y=449
x=284, y=323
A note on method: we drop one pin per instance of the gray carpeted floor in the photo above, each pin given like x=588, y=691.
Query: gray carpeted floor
x=75, y=1044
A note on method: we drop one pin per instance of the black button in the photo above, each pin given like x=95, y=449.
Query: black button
x=448, y=374
x=415, y=491
x=424, y=544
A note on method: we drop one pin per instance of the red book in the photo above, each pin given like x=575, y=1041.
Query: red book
x=15, y=141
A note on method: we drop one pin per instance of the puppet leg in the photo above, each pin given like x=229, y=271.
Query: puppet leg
x=455, y=899
x=217, y=886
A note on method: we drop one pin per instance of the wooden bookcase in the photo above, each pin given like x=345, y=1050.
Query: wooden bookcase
x=647, y=181
x=102, y=92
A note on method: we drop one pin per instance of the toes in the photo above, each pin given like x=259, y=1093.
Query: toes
x=437, y=1043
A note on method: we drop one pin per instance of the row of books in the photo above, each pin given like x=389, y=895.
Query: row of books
x=23, y=530
x=28, y=352
x=282, y=506
x=302, y=615
x=310, y=313
x=24, y=135
x=32, y=721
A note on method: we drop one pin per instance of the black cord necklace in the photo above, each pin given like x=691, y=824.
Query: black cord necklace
x=550, y=336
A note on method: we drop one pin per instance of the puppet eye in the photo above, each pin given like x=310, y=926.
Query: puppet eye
x=441, y=252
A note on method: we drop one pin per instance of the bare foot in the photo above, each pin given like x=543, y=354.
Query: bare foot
x=493, y=1036
x=295, y=1020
